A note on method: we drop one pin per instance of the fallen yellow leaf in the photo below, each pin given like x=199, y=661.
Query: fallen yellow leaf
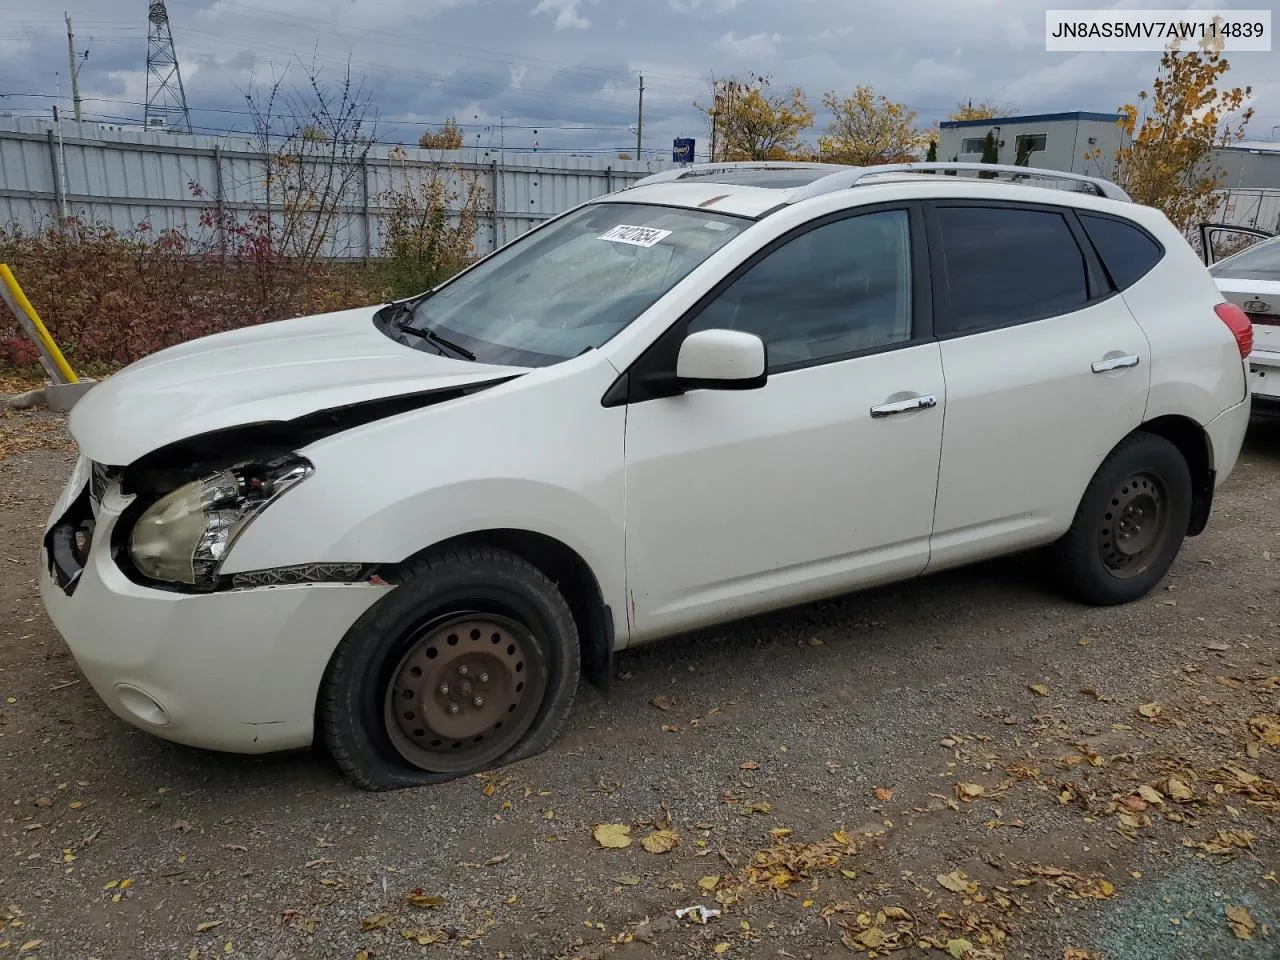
x=958, y=948
x=1040, y=690
x=613, y=835
x=30, y=944
x=871, y=938
x=708, y=883
x=748, y=765
x=1150, y=710
x=1266, y=727
x=420, y=899
x=969, y=791
x=424, y=937
x=883, y=794
x=1178, y=790
x=375, y=921
x=721, y=948
x=1150, y=794
x=955, y=881
x=661, y=841
x=1242, y=924
x=208, y=925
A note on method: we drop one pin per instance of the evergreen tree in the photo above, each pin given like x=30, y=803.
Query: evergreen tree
x=990, y=153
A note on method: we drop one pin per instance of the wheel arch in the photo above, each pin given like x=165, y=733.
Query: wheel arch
x=1196, y=447
x=564, y=567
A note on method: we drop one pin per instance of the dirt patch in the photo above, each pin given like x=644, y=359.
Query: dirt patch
x=962, y=766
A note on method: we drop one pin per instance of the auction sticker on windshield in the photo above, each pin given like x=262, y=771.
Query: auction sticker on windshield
x=636, y=236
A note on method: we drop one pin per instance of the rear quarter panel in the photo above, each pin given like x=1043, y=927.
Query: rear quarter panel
x=1196, y=369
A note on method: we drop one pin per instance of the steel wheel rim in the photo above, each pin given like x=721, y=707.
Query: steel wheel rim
x=468, y=688
x=1134, y=525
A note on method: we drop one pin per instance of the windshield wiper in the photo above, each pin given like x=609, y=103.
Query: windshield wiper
x=405, y=325
x=435, y=338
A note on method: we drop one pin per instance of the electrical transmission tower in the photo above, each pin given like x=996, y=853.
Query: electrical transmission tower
x=166, y=100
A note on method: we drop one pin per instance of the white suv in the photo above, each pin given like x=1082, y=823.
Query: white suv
x=406, y=530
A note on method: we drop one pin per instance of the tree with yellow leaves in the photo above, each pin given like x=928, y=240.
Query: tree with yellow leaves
x=867, y=129
x=752, y=121
x=982, y=110
x=1166, y=160
x=448, y=137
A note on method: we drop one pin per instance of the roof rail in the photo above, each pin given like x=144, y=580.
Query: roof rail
x=842, y=179
x=707, y=169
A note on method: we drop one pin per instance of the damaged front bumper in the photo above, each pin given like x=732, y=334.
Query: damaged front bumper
x=237, y=670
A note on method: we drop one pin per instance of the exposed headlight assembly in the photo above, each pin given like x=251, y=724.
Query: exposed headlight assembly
x=185, y=535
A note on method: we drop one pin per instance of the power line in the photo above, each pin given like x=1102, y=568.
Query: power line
x=374, y=69
x=416, y=42
x=305, y=117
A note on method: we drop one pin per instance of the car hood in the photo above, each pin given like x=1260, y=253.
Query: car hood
x=269, y=372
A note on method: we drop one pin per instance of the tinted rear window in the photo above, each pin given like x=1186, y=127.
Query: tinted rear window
x=1127, y=252
x=1006, y=266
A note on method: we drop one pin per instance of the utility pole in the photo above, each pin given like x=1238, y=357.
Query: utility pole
x=75, y=70
x=640, y=119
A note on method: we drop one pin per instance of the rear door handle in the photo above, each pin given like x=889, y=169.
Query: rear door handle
x=902, y=406
x=1115, y=363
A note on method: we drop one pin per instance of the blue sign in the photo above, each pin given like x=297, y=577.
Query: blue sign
x=682, y=150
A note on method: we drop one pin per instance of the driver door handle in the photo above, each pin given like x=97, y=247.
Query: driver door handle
x=1115, y=363
x=902, y=406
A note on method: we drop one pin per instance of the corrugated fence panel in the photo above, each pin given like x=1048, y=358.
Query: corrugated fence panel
x=126, y=178
x=1242, y=207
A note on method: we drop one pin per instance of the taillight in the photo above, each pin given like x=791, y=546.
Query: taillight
x=1238, y=323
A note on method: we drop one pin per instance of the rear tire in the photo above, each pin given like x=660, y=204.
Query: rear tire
x=471, y=663
x=1129, y=525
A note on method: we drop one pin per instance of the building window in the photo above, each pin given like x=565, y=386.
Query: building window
x=973, y=144
x=1027, y=143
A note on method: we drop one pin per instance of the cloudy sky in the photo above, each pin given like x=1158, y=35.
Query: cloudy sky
x=564, y=73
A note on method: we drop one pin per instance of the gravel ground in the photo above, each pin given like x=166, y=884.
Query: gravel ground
x=945, y=768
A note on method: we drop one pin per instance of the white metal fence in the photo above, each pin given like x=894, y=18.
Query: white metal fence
x=1242, y=207
x=125, y=178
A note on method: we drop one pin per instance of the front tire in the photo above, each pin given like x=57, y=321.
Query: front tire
x=1129, y=525
x=471, y=663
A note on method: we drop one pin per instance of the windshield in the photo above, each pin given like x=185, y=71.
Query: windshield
x=573, y=284
x=1259, y=262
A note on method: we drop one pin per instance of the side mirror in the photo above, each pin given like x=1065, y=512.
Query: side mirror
x=721, y=360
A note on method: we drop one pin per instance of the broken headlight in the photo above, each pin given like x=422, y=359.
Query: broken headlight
x=184, y=536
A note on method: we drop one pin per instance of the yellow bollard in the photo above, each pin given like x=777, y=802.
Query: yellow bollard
x=42, y=334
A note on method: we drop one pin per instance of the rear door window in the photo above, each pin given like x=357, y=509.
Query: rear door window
x=1003, y=265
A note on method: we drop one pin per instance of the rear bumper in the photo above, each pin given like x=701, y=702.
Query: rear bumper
x=1226, y=436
